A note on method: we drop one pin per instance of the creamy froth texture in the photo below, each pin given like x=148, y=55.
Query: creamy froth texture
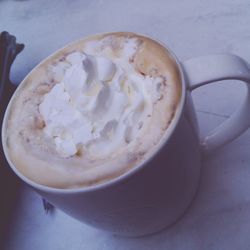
x=92, y=110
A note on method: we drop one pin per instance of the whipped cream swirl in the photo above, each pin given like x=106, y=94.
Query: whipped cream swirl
x=100, y=106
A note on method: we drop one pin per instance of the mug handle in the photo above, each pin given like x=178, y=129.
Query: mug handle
x=208, y=69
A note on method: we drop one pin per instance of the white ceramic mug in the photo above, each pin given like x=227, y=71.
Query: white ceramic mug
x=156, y=193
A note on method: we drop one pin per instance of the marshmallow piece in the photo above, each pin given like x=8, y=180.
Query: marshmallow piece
x=105, y=69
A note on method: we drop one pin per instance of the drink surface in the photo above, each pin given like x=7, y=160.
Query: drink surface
x=92, y=111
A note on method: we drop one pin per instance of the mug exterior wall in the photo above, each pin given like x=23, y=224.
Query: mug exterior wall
x=153, y=197
x=147, y=200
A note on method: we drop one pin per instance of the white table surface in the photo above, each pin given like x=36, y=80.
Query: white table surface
x=219, y=218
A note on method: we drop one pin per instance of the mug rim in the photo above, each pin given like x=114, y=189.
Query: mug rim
x=131, y=171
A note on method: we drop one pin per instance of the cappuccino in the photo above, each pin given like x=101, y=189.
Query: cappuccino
x=92, y=111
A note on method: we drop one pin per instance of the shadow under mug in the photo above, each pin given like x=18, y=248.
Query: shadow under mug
x=154, y=194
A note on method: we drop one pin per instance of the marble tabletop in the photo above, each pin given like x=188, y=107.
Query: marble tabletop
x=219, y=217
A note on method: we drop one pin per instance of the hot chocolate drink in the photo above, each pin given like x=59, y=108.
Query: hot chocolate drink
x=92, y=111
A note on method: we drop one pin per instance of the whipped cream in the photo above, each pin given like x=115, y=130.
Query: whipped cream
x=99, y=106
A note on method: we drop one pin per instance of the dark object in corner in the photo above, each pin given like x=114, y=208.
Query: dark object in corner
x=9, y=183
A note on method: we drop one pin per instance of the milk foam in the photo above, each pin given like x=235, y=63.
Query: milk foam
x=99, y=106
